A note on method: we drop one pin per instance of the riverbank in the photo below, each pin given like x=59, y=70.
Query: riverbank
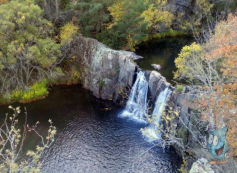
x=38, y=90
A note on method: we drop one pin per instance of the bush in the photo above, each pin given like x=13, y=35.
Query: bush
x=36, y=91
x=180, y=88
x=5, y=99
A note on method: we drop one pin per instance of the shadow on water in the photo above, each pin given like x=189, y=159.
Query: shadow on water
x=162, y=52
x=91, y=138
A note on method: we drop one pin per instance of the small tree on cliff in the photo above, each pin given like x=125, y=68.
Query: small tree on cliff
x=212, y=68
x=12, y=139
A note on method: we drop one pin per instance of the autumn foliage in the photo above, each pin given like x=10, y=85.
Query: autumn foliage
x=212, y=69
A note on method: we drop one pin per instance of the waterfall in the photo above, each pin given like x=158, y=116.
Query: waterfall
x=136, y=107
x=152, y=132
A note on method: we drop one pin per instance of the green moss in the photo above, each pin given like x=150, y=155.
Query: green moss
x=180, y=88
x=36, y=91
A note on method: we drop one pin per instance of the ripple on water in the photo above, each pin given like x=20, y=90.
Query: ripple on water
x=89, y=140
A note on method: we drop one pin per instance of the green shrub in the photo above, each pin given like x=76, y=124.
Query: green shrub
x=5, y=99
x=170, y=33
x=180, y=88
x=36, y=91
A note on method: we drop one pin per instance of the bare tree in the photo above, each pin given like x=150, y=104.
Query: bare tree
x=12, y=139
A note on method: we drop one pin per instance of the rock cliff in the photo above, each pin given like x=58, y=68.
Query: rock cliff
x=109, y=73
x=105, y=71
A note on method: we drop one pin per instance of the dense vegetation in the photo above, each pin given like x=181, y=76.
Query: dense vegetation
x=211, y=66
x=35, y=36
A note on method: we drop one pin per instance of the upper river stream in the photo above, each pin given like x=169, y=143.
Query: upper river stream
x=162, y=52
x=91, y=136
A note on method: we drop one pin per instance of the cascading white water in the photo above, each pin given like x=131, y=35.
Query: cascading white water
x=136, y=107
x=152, y=132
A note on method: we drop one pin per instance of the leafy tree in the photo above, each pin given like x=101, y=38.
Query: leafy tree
x=92, y=15
x=67, y=32
x=127, y=24
x=132, y=22
x=157, y=16
x=211, y=67
x=27, y=53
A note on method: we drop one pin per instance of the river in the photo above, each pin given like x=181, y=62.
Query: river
x=91, y=136
x=162, y=52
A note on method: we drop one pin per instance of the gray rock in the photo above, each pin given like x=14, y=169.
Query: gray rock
x=201, y=166
x=156, y=66
x=105, y=71
x=156, y=83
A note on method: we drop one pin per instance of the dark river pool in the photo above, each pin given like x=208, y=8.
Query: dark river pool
x=91, y=137
x=162, y=52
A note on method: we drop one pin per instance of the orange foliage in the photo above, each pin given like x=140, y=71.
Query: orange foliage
x=221, y=99
x=3, y=1
x=222, y=46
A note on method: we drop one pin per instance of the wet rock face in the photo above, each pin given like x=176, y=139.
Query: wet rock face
x=105, y=71
x=157, y=84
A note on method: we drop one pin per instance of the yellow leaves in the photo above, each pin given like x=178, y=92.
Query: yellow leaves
x=68, y=32
x=185, y=58
x=205, y=6
x=157, y=15
x=150, y=15
x=116, y=11
x=131, y=43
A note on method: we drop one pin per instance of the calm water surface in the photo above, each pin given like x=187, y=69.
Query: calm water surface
x=163, y=52
x=91, y=138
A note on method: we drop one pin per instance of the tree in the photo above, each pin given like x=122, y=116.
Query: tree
x=67, y=33
x=157, y=16
x=127, y=26
x=12, y=141
x=56, y=11
x=91, y=15
x=211, y=67
x=27, y=53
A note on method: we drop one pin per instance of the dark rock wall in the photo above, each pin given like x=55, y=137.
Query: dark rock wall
x=105, y=71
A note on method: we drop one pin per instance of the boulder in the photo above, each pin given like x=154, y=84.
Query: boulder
x=201, y=166
x=156, y=83
x=156, y=66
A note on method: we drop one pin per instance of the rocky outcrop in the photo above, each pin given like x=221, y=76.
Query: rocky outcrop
x=105, y=72
x=201, y=166
x=156, y=83
x=156, y=66
x=109, y=73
